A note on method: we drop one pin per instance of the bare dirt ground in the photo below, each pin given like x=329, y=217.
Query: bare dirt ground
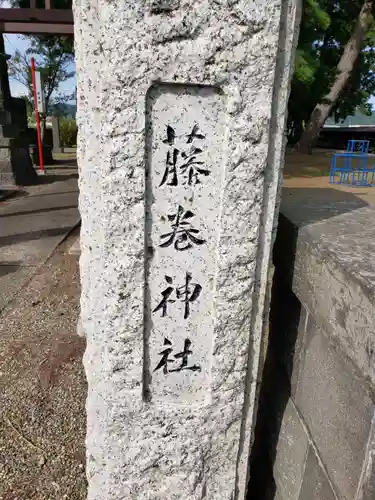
x=43, y=387
x=312, y=171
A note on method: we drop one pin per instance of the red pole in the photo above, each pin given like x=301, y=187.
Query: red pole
x=37, y=120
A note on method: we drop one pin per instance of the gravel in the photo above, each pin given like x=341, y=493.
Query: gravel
x=43, y=387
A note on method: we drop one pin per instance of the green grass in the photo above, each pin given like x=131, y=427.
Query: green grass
x=65, y=156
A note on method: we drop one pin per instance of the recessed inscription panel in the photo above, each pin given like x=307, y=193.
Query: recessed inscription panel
x=185, y=136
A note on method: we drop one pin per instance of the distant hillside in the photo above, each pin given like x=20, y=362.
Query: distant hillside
x=63, y=110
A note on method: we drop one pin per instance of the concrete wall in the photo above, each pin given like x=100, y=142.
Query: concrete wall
x=315, y=433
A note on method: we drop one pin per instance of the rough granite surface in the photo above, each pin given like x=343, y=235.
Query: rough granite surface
x=334, y=277
x=137, y=449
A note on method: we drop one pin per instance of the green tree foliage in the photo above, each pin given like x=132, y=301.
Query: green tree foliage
x=325, y=29
x=53, y=56
x=68, y=132
x=53, y=62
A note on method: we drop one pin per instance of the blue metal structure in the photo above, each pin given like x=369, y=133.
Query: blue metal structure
x=351, y=168
x=357, y=146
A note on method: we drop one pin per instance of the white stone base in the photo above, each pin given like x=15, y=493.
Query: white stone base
x=80, y=330
x=75, y=249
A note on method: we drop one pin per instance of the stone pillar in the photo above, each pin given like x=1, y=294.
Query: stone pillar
x=15, y=162
x=181, y=112
x=56, y=135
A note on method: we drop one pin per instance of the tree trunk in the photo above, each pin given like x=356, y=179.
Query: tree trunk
x=344, y=69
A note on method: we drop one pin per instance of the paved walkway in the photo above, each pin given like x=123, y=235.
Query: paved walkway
x=30, y=230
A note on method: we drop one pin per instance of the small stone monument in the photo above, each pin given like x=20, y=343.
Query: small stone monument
x=56, y=135
x=181, y=112
x=15, y=162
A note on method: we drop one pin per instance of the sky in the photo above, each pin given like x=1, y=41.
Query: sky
x=19, y=42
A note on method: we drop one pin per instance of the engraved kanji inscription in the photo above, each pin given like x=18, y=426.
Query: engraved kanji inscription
x=171, y=135
x=188, y=164
x=192, y=168
x=170, y=172
x=183, y=235
x=186, y=130
x=163, y=363
x=182, y=356
x=163, y=305
x=195, y=134
x=188, y=293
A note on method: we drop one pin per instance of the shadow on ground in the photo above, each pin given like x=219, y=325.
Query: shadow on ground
x=32, y=235
x=318, y=203
x=68, y=163
x=9, y=267
x=49, y=178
